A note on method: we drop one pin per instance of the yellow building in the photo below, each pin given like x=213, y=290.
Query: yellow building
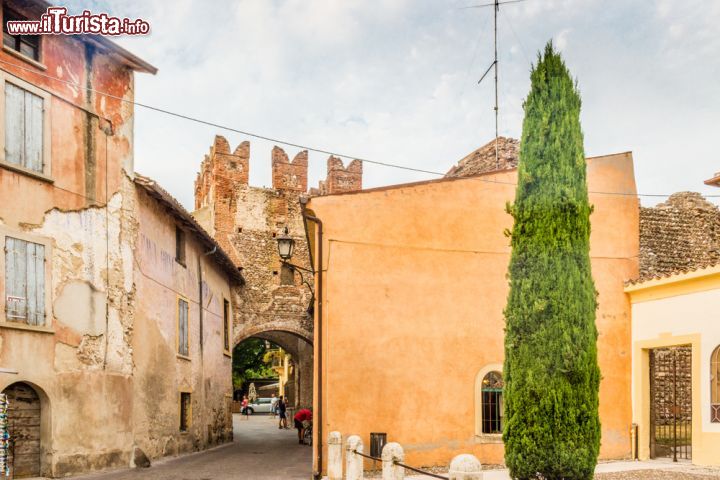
x=676, y=365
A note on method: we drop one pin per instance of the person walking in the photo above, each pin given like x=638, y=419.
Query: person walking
x=282, y=413
x=273, y=406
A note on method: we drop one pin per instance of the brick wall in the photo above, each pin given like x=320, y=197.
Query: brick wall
x=340, y=179
x=287, y=175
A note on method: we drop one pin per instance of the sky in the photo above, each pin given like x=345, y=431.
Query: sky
x=396, y=81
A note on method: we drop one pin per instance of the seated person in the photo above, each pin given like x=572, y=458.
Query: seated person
x=302, y=420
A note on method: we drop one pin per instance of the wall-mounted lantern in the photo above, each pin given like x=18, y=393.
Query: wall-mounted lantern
x=286, y=245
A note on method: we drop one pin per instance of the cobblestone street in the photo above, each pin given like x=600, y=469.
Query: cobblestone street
x=260, y=451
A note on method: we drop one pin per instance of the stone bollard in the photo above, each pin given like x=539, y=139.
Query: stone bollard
x=354, y=464
x=465, y=467
x=391, y=453
x=334, y=465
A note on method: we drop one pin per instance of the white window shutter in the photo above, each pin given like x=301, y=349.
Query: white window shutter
x=33, y=132
x=14, y=124
x=24, y=281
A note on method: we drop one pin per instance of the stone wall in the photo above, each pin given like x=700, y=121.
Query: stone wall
x=678, y=235
x=245, y=220
x=484, y=160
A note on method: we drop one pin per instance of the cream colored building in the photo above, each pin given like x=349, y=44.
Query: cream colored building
x=676, y=365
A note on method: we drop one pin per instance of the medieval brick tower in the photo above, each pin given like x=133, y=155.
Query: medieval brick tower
x=245, y=220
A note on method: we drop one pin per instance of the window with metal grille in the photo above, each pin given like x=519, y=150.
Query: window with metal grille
x=23, y=128
x=183, y=336
x=180, y=246
x=226, y=324
x=24, y=281
x=492, y=403
x=185, y=411
x=715, y=386
x=28, y=45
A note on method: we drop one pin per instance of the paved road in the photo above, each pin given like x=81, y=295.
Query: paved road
x=260, y=451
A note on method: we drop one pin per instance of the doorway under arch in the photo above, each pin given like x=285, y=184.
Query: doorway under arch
x=25, y=425
x=300, y=349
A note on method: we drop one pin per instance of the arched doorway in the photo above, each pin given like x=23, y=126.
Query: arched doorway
x=24, y=427
x=298, y=345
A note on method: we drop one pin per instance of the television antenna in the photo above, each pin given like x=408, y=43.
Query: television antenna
x=494, y=65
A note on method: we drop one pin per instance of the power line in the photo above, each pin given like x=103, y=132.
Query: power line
x=223, y=127
x=522, y=47
x=296, y=145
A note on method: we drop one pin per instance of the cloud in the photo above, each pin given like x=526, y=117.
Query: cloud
x=396, y=81
x=561, y=39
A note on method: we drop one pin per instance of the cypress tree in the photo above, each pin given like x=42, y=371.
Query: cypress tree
x=552, y=427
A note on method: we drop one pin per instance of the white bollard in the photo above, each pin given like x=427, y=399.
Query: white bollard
x=353, y=462
x=334, y=465
x=391, y=453
x=465, y=467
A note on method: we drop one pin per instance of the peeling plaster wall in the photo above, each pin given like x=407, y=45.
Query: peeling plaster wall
x=81, y=362
x=160, y=373
x=98, y=363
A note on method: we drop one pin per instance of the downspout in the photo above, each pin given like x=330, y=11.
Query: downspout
x=319, y=295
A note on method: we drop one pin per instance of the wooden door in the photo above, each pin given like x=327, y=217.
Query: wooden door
x=24, y=429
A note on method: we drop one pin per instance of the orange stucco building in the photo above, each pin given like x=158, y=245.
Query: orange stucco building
x=411, y=315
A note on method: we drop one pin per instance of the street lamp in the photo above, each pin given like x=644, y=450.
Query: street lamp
x=286, y=244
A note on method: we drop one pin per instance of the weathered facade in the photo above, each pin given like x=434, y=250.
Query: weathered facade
x=245, y=220
x=89, y=282
x=414, y=286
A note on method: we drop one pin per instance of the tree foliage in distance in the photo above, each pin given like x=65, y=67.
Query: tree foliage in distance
x=248, y=361
x=552, y=427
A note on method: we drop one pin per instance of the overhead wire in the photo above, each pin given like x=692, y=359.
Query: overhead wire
x=285, y=142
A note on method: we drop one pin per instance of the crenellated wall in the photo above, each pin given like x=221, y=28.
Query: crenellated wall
x=245, y=221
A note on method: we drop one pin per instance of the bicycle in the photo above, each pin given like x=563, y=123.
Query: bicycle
x=308, y=435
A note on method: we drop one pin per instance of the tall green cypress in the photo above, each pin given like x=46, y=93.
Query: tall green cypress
x=552, y=427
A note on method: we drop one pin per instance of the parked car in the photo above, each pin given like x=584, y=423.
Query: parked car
x=261, y=405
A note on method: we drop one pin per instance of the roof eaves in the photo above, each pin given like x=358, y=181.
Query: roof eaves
x=178, y=211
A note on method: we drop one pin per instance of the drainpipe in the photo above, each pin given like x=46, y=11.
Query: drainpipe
x=318, y=278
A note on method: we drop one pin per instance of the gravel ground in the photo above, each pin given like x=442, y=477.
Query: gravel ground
x=674, y=474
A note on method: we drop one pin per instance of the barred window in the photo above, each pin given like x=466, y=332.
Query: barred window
x=185, y=411
x=492, y=403
x=715, y=386
x=226, y=325
x=24, y=281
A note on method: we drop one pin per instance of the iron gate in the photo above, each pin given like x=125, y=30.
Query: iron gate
x=671, y=403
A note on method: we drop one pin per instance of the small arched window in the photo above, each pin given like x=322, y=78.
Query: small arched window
x=715, y=386
x=492, y=403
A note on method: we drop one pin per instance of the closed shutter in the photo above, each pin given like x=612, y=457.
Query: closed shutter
x=183, y=327
x=23, y=128
x=24, y=281
x=14, y=124
x=33, y=132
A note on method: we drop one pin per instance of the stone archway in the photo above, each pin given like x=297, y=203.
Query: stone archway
x=28, y=420
x=298, y=344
